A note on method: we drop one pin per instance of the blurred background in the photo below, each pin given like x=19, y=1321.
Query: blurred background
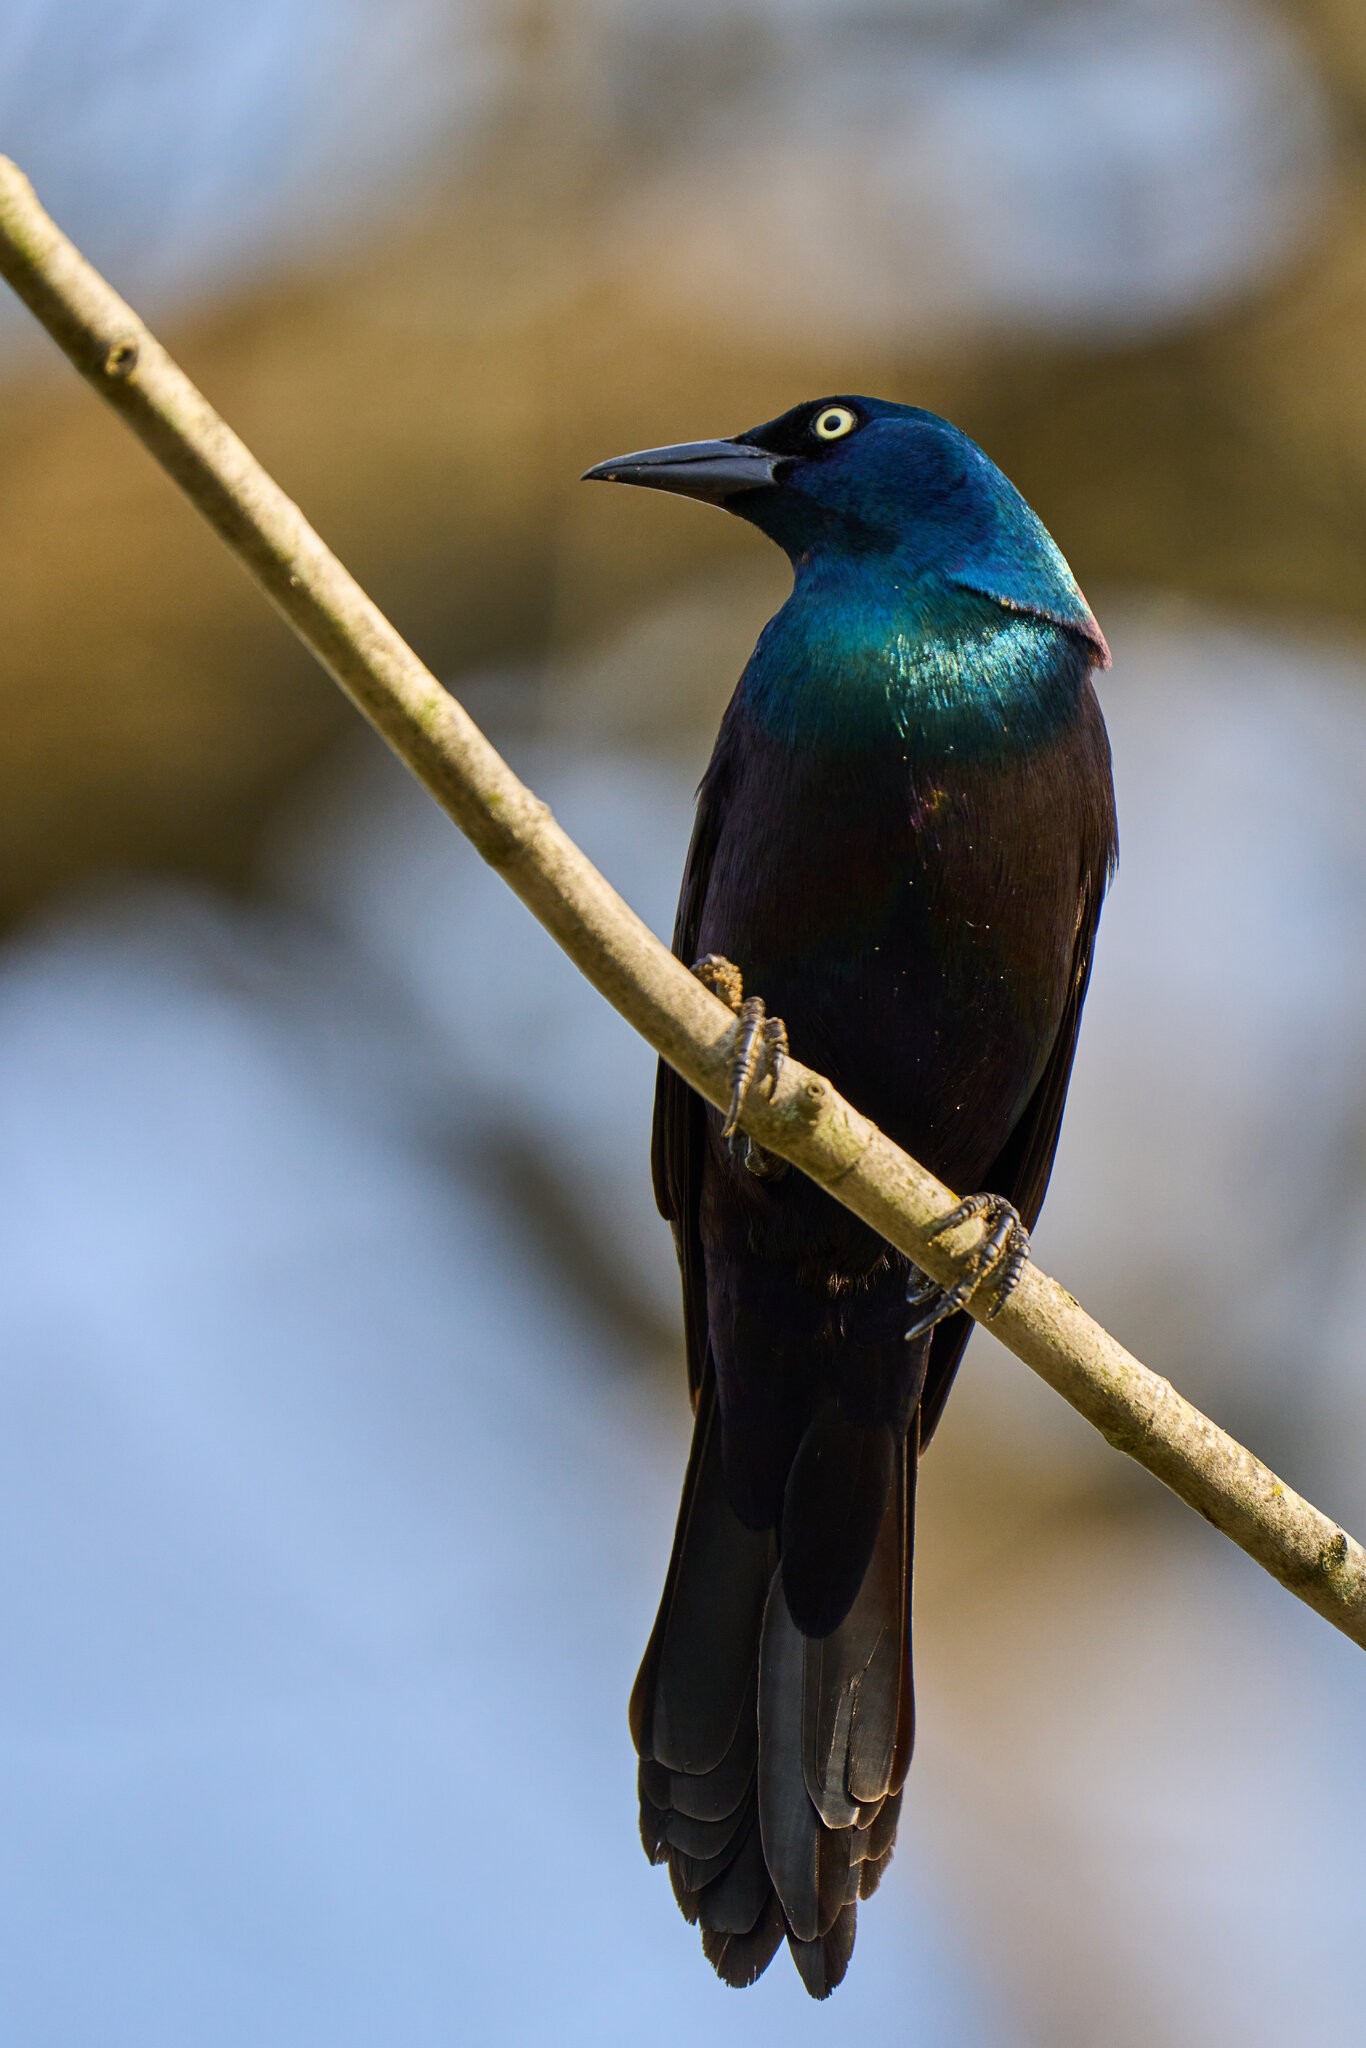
x=341, y=1395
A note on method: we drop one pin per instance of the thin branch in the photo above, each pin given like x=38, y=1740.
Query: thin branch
x=806, y=1121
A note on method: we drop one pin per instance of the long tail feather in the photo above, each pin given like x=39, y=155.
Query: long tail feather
x=772, y=1757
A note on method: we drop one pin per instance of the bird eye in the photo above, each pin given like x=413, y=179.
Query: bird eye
x=834, y=423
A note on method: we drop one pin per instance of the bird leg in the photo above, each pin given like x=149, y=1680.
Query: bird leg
x=998, y=1260
x=760, y=1042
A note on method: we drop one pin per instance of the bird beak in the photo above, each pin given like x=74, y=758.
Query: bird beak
x=713, y=470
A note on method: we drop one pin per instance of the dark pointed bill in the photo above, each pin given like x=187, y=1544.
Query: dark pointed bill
x=714, y=470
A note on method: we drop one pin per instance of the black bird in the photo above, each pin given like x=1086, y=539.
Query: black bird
x=901, y=844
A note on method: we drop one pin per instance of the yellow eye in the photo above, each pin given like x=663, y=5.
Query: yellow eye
x=834, y=423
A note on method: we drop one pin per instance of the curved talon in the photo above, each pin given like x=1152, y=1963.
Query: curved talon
x=760, y=1043
x=920, y=1288
x=776, y=1050
x=763, y=1165
x=999, y=1259
x=943, y=1303
x=744, y=1060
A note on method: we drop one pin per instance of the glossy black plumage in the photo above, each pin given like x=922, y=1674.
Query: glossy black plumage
x=902, y=840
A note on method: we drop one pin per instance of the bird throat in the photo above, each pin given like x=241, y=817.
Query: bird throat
x=855, y=661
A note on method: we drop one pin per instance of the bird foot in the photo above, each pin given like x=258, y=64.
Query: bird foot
x=760, y=1044
x=997, y=1260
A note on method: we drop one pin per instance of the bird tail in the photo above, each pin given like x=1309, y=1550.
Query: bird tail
x=772, y=1761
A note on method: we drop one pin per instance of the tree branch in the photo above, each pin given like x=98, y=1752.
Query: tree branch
x=805, y=1121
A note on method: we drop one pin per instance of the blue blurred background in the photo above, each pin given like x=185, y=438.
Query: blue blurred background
x=341, y=1404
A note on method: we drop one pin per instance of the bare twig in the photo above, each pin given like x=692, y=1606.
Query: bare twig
x=805, y=1121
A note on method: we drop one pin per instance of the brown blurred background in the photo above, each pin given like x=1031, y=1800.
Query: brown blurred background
x=429, y=377
x=265, y=1027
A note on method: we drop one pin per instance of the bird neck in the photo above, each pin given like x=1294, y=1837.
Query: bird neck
x=876, y=652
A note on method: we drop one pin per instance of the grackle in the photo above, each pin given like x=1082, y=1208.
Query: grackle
x=901, y=845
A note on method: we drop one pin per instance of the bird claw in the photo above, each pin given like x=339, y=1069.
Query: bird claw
x=760, y=1043
x=997, y=1260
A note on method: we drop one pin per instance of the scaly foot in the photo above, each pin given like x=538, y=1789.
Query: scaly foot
x=760, y=1043
x=998, y=1260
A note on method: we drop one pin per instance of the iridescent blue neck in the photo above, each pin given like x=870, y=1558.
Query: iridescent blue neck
x=870, y=651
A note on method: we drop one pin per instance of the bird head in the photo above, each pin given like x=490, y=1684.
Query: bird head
x=881, y=486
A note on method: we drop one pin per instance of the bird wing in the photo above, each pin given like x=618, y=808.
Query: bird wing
x=1025, y=1162
x=680, y=1132
x=1022, y=1167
